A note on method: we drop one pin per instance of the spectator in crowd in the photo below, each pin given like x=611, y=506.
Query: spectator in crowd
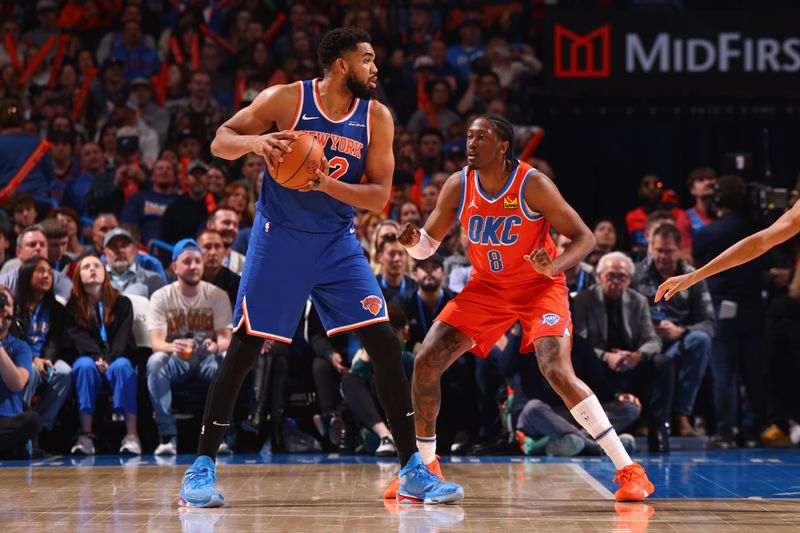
x=685, y=323
x=188, y=213
x=65, y=168
x=457, y=267
x=702, y=181
x=483, y=89
x=226, y=222
x=410, y=212
x=102, y=224
x=22, y=208
x=736, y=295
x=47, y=24
x=69, y=218
x=17, y=426
x=93, y=167
x=109, y=86
x=509, y=63
x=469, y=49
x=40, y=319
x=146, y=209
x=367, y=224
x=130, y=13
x=201, y=111
x=190, y=323
x=422, y=304
x=442, y=69
x=358, y=387
x=125, y=275
x=143, y=259
x=151, y=114
x=439, y=94
x=430, y=195
x=57, y=241
x=651, y=198
x=402, y=190
x=605, y=235
x=33, y=243
x=98, y=340
x=431, y=159
x=393, y=259
x=238, y=197
x=130, y=47
x=211, y=243
x=217, y=179
x=616, y=321
x=581, y=276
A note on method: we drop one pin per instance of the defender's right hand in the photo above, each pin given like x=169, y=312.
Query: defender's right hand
x=409, y=235
x=272, y=146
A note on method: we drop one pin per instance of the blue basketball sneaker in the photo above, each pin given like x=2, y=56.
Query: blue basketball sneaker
x=420, y=485
x=197, y=489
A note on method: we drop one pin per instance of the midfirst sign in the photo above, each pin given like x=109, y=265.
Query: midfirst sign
x=707, y=51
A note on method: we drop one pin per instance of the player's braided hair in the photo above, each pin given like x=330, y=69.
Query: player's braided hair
x=504, y=131
x=340, y=40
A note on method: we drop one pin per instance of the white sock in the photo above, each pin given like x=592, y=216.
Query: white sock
x=589, y=414
x=427, y=448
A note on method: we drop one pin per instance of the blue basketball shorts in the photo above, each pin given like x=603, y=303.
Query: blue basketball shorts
x=285, y=266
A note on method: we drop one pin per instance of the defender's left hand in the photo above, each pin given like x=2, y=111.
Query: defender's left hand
x=541, y=262
x=319, y=184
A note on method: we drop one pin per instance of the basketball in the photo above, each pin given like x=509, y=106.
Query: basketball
x=301, y=164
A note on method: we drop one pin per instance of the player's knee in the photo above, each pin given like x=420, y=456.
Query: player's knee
x=559, y=376
x=380, y=342
x=425, y=365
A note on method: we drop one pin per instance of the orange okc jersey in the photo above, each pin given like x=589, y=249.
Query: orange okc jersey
x=502, y=229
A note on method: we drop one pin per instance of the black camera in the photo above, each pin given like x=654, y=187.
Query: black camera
x=127, y=145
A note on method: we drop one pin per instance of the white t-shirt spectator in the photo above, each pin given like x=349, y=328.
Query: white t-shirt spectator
x=182, y=317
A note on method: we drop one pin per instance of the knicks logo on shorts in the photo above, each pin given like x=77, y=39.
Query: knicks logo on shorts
x=550, y=319
x=373, y=304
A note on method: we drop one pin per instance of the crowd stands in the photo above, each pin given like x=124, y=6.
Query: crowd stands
x=122, y=247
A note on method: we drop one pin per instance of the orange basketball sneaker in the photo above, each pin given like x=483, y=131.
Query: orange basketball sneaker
x=390, y=492
x=633, y=484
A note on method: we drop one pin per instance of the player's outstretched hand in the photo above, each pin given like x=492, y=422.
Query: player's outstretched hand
x=272, y=146
x=673, y=286
x=409, y=235
x=541, y=262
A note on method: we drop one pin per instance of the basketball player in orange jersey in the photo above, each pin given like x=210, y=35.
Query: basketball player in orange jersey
x=506, y=207
x=743, y=251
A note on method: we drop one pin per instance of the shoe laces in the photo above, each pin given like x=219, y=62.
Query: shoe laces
x=423, y=474
x=199, y=477
x=628, y=474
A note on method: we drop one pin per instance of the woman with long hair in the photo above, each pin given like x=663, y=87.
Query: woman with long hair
x=40, y=319
x=98, y=334
x=239, y=198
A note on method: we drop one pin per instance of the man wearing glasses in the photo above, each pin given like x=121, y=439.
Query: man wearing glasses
x=616, y=321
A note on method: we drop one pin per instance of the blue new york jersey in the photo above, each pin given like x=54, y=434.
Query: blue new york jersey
x=345, y=144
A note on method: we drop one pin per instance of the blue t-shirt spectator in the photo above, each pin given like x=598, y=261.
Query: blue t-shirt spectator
x=144, y=210
x=15, y=149
x=20, y=354
x=461, y=57
x=140, y=62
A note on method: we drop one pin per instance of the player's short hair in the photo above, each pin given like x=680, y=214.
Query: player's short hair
x=340, y=40
x=504, y=131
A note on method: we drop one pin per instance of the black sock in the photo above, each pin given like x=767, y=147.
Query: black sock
x=391, y=383
x=224, y=390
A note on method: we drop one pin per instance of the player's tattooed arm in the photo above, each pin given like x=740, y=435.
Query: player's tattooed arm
x=542, y=195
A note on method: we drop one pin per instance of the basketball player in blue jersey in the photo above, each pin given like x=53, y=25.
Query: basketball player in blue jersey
x=303, y=243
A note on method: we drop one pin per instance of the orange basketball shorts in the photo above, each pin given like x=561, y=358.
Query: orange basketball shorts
x=484, y=312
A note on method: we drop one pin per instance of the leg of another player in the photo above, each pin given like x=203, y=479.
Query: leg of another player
x=442, y=346
x=553, y=356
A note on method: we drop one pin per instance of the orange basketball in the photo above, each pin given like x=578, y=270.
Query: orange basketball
x=301, y=164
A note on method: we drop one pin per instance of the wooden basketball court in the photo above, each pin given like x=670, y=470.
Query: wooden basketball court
x=327, y=493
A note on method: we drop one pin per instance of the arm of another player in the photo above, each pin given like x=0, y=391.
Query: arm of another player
x=743, y=251
x=438, y=223
x=242, y=133
x=378, y=167
x=542, y=195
